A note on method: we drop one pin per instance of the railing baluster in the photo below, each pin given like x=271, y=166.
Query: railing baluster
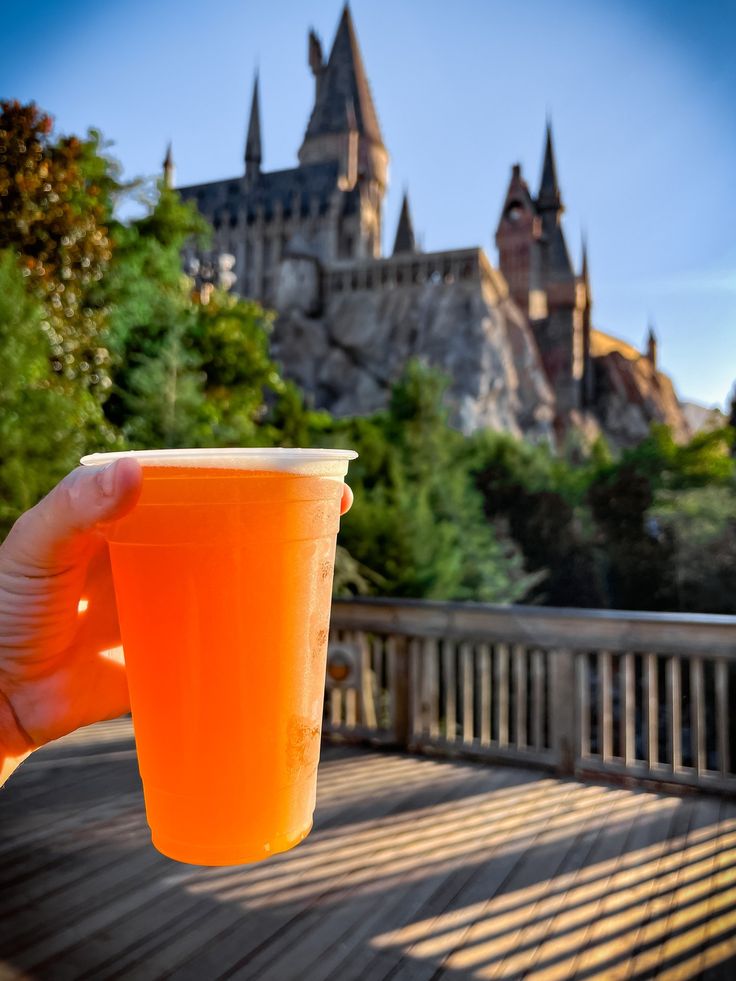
x=502, y=659
x=466, y=683
x=378, y=669
x=675, y=714
x=415, y=691
x=450, y=675
x=484, y=658
x=605, y=714
x=537, y=699
x=431, y=686
x=722, y=717
x=651, y=687
x=583, y=680
x=351, y=703
x=629, y=709
x=335, y=707
x=697, y=714
x=349, y=695
x=520, y=695
x=370, y=665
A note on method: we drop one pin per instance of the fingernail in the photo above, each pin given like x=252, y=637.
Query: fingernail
x=106, y=479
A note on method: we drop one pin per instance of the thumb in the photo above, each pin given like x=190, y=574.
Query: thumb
x=58, y=527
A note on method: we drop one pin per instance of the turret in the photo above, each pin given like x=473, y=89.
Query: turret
x=253, y=149
x=340, y=81
x=169, y=168
x=585, y=304
x=555, y=308
x=515, y=236
x=405, y=240
x=652, y=347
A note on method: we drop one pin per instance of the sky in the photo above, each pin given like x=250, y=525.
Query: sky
x=640, y=93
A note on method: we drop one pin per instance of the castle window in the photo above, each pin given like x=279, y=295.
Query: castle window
x=233, y=221
x=369, y=280
x=384, y=275
x=354, y=281
x=399, y=275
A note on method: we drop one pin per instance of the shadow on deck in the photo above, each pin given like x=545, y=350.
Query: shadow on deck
x=416, y=868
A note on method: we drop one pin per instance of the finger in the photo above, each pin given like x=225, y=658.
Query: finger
x=346, y=501
x=59, y=525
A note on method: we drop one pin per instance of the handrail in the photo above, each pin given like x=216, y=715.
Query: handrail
x=667, y=633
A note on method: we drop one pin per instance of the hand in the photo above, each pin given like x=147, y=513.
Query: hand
x=57, y=607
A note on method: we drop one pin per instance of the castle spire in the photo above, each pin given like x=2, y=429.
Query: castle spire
x=340, y=81
x=549, y=198
x=584, y=275
x=405, y=240
x=253, y=150
x=168, y=167
x=652, y=346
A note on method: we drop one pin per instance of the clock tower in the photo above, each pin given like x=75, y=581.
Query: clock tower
x=515, y=237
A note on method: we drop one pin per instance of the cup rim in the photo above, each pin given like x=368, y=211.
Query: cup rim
x=282, y=455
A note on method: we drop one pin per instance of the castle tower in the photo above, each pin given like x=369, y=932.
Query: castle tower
x=558, y=320
x=515, y=237
x=652, y=347
x=405, y=240
x=168, y=168
x=253, y=148
x=340, y=82
x=585, y=304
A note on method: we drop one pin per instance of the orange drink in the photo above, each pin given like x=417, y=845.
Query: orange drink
x=223, y=581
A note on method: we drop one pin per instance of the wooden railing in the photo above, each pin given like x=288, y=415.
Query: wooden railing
x=645, y=695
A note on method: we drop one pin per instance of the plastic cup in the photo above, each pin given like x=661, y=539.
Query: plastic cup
x=223, y=581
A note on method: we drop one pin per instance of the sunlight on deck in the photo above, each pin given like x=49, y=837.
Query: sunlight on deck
x=417, y=868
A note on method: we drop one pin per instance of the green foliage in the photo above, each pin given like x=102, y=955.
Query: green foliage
x=183, y=372
x=58, y=198
x=417, y=521
x=541, y=500
x=45, y=425
x=701, y=525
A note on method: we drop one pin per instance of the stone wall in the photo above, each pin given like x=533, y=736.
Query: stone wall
x=455, y=317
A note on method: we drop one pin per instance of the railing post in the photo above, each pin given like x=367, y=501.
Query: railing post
x=563, y=708
x=400, y=670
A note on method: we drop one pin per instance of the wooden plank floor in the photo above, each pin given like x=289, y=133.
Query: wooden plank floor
x=416, y=869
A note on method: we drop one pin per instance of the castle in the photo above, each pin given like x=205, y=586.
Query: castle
x=517, y=341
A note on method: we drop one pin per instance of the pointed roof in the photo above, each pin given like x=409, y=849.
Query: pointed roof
x=517, y=196
x=344, y=80
x=405, y=240
x=168, y=166
x=584, y=274
x=253, y=149
x=549, y=197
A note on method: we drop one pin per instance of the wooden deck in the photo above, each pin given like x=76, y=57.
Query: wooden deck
x=416, y=869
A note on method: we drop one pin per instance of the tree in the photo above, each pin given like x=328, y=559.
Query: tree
x=181, y=369
x=417, y=523
x=58, y=198
x=45, y=425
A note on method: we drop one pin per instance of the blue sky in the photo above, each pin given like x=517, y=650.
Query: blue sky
x=641, y=95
